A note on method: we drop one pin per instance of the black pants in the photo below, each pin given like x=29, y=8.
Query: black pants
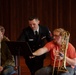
x=34, y=64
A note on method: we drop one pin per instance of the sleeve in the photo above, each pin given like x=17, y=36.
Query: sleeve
x=9, y=57
x=49, y=46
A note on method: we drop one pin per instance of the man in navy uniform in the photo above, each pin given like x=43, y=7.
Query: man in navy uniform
x=35, y=34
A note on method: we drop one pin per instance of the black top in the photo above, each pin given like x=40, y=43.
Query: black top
x=35, y=42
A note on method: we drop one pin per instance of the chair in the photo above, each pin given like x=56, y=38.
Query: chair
x=17, y=66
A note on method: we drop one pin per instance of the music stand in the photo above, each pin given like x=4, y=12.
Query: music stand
x=18, y=48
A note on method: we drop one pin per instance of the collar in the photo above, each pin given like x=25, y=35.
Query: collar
x=37, y=30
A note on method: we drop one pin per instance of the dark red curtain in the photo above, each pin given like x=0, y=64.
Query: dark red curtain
x=52, y=13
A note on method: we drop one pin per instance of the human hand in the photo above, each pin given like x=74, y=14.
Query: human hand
x=31, y=57
x=1, y=68
x=61, y=55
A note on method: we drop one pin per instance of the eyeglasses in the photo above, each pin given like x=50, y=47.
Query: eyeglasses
x=56, y=35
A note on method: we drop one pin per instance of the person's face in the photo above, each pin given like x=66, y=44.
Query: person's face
x=2, y=30
x=34, y=24
x=1, y=36
x=57, y=37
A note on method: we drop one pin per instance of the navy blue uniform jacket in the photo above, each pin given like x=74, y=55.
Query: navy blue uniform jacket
x=35, y=42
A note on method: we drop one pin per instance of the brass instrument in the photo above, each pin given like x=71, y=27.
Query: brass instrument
x=64, y=46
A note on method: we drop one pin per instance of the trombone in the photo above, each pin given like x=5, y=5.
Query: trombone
x=63, y=49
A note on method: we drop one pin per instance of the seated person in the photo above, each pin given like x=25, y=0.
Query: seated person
x=7, y=62
x=62, y=55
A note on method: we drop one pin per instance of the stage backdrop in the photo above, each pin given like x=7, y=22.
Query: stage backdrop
x=14, y=15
